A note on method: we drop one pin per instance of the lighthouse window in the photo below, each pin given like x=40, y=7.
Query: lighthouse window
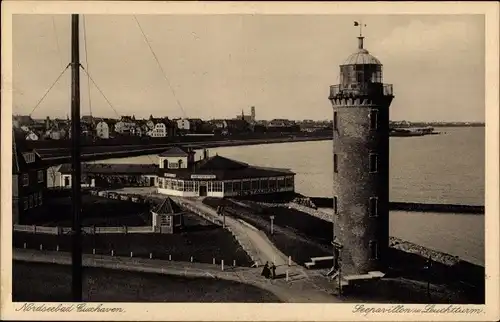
x=335, y=163
x=373, y=249
x=373, y=163
x=373, y=207
x=335, y=208
x=360, y=77
x=335, y=121
x=373, y=119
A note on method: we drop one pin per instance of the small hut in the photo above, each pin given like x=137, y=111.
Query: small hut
x=167, y=217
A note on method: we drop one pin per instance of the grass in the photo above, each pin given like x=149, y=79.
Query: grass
x=35, y=282
x=199, y=238
x=287, y=239
x=98, y=211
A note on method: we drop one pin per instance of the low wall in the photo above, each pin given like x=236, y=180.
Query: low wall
x=86, y=230
x=39, y=229
x=62, y=156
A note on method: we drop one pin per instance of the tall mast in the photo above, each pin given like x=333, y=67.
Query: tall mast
x=76, y=250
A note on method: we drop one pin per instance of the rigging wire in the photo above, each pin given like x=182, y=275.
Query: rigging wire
x=88, y=78
x=57, y=41
x=107, y=100
x=87, y=63
x=50, y=88
x=159, y=65
x=100, y=91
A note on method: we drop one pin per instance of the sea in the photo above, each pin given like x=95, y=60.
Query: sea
x=445, y=168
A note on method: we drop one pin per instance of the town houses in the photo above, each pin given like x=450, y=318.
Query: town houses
x=100, y=128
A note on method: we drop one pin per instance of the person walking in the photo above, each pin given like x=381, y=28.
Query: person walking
x=273, y=271
x=265, y=270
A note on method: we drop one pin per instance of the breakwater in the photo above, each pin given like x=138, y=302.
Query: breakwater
x=322, y=202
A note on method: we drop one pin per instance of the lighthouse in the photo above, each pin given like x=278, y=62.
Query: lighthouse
x=361, y=163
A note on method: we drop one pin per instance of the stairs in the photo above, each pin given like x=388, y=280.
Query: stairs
x=316, y=260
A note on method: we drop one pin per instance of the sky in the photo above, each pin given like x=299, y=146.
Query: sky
x=218, y=65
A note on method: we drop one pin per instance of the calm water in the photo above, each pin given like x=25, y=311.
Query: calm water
x=447, y=168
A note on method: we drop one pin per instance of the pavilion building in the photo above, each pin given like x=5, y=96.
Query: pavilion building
x=180, y=175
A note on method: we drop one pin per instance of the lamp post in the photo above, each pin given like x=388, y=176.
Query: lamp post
x=272, y=224
x=427, y=268
x=220, y=211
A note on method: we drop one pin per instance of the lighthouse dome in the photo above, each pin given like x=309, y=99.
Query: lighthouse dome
x=362, y=56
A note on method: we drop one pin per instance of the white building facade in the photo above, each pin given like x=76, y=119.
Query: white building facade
x=159, y=131
x=183, y=124
x=102, y=130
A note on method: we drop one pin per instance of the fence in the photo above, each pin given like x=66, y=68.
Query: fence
x=199, y=212
x=38, y=229
x=120, y=196
x=86, y=230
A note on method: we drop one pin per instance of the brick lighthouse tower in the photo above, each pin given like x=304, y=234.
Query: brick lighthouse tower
x=361, y=162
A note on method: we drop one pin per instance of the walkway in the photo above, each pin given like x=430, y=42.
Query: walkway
x=259, y=247
x=296, y=290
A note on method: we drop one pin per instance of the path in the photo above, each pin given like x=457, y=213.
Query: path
x=296, y=290
x=254, y=240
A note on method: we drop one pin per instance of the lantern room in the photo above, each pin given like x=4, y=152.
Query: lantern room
x=361, y=71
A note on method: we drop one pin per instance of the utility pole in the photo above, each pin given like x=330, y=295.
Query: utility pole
x=76, y=249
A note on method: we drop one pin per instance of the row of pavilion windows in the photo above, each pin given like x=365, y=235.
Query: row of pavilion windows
x=230, y=185
x=259, y=184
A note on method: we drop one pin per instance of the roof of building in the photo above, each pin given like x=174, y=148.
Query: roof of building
x=362, y=56
x=226, y=169
x=175, y=152
x=117, y=168
x=168, y=207
x=19, y=164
